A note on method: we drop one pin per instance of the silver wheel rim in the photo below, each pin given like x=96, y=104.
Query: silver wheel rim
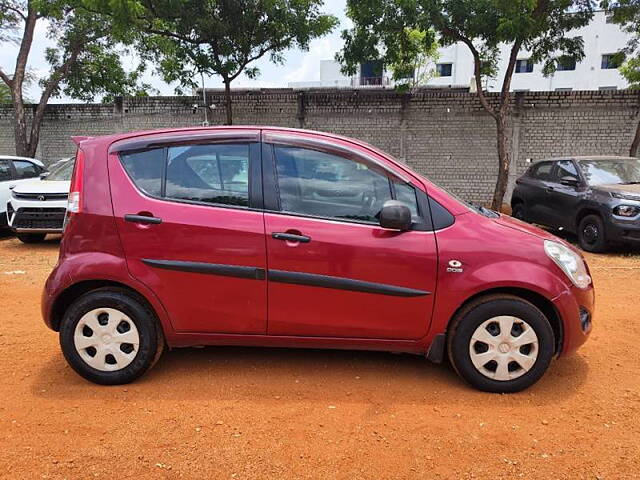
x=106, y=339
x=504, y=348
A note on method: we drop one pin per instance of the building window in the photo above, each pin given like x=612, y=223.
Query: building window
x=371, y=72
x=444, y=69
x=524, y=66
x=611, y=61
x=565, y=63
x=608, y=88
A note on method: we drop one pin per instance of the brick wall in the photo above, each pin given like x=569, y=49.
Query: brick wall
x=446, y=136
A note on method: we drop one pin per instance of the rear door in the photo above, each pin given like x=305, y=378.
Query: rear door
x=188, y=213
x=538, y=201
x=333, y=271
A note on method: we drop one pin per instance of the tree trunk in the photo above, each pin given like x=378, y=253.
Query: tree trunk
x=20, y=128
x=633, y=151
x=504, y=161
x=227, y=102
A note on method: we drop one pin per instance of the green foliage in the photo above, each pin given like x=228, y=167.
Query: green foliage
x=539, y=26
x=184, y=38
x=416, y=60
x=626, y=13
x=5, y=94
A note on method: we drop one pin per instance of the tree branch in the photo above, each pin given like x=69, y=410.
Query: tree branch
x=506, y=83
x=17, y=11
x=5, y=78
x=25, y=48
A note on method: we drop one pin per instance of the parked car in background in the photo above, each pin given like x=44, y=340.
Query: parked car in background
x=290, y=238
x=597, y=198
x=15, y=171
x=37, y=207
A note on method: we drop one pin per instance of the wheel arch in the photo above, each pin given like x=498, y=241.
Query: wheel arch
x=74, y=291
x=583, y=212
x=539, y=301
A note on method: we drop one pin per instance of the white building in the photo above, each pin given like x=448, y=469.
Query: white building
x=596, y=71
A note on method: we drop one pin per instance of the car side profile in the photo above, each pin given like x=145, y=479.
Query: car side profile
x=13, y=172
x=597, y=198
x=265, y=236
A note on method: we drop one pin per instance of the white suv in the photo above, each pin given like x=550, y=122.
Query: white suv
x=13, y=172
x=38, y=207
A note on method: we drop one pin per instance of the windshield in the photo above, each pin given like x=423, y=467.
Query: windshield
x=61, y=172
x=608, y=171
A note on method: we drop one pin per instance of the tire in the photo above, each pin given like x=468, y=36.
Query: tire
x=502, y=369
x=31, y=237
x=128, y=318
x=592, y=235
x=519, y=211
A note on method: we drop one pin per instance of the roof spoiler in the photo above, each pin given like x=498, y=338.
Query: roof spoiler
x=77, y=139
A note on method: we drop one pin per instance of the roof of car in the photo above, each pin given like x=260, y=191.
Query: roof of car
x=586, y=157
x=15, y=157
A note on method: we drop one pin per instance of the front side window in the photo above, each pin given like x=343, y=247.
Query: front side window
x=321, y=184
x=209, y=173
x=26, y=169
x=524, y=66
x=5, y=171
x=407, y=195
x=566, y=168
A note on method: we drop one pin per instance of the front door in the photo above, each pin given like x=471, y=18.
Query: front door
x=333, y=271
x=185, y=214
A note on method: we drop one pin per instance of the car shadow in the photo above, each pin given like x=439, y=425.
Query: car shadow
x=264, y=374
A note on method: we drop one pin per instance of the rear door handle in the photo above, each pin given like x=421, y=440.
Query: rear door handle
x=291, y=237
x=142, y=219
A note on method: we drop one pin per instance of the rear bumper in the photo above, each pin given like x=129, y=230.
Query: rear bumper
x=576, y=308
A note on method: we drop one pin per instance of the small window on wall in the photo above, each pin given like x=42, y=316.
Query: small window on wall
x=216, y=174
x=565, y=63
x=444, y=69
x=612, y=61
x=145, y=169
x=524, y=66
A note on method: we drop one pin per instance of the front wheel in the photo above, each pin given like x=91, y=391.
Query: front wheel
x=31, y=237
x=110, y=336
x=591, y=234
x=500, y=344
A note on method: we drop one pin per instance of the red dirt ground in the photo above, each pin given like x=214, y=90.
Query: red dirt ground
x=266, y=413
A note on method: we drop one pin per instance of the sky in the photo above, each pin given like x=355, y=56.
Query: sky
x=299, y=65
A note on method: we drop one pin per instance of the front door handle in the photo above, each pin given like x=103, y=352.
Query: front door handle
x=549, y=189
x=291, y=237
x=142, y=219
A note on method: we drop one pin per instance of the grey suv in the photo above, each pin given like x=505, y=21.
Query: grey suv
x=597, y=198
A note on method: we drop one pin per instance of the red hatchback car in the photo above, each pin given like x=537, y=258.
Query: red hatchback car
x=291, y=238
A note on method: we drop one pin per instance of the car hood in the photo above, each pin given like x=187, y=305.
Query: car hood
x=633, y=189
x=521, y=226
x=43, y=186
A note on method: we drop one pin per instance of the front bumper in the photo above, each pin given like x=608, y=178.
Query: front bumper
x=25, y=216
x=623, y=231
x=576, y=309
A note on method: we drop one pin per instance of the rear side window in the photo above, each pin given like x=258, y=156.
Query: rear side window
x=145, y=169
x=25, y=169
x=321, y=184
x=542, y=171
x=209, y=173
x=5, y=171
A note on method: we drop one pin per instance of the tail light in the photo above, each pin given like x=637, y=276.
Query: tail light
x=74, y=204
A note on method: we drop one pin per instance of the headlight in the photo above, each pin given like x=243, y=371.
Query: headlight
x=570, y=262
x=626, y=210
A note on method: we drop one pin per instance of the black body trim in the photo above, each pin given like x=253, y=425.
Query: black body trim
x=339, y=283
x=142, y=219
x=208, y=268
x=290, y=237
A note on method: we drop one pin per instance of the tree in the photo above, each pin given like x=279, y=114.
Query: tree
x=187, y=38
x=626, y=13
x=5, y=94
x=539, y=27
x=84, y=62
x=415, y=64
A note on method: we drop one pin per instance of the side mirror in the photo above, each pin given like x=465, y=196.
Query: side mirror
x=569, y=181
x=44, y=175
x=395, y=215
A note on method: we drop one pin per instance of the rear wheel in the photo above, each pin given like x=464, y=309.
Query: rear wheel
x=500, y=344
x=591, y=234
x=31, y=237
x=109, y=336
